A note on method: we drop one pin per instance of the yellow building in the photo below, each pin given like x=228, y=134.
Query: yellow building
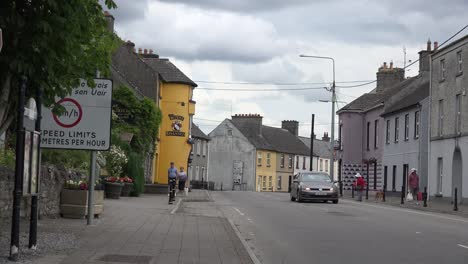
x=266, y=171
x=178, y=108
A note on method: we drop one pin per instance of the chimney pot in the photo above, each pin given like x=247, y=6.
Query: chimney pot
x=391, y=65
x=429, y=45
x=145, y=51
x=139, y=50
x=385, y=65
x=436, y=45
x=151, y=51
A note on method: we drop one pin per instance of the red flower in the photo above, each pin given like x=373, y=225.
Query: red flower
x=83, y=186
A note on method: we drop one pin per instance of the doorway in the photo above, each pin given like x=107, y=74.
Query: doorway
x=289, y=183
x=457, y=174
x=405, y=177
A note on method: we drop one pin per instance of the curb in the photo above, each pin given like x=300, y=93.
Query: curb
x=244, y=243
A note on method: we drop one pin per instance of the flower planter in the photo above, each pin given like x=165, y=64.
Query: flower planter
x=74, y=203
x=127, y=189
x=113, y=190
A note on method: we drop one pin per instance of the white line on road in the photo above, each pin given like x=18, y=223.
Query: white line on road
x=177, y=207
x=418, y=232
x=239, y=211
x=463, y=246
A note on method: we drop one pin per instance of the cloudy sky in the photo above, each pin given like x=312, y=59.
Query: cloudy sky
x=258, y=42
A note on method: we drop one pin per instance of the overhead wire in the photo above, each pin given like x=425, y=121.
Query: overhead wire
x=277, y=83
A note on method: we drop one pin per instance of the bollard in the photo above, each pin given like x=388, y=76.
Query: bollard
x=221, y=186
x=384, y=192
x=352, y=191
x=455, y=204
x=402, y=194
x=425, y=197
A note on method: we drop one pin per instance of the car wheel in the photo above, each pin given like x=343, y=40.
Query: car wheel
x=335, y=201
x=292, y=197
x=298, y=197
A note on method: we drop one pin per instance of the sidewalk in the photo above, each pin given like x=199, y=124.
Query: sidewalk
x=149, y=230
x=434, y=205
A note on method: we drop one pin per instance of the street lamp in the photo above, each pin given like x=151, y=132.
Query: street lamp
x=333, y=100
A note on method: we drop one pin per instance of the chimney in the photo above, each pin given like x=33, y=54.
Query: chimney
x=291, y=125
x=110, y=21
x=436, y=45
x=145, y=51
x=424, y=60
x=149, y=54
x=150, y=51
x=250, y=122
x=325, y=137
x=130, y=45
x=139, y=50
x=388, y=77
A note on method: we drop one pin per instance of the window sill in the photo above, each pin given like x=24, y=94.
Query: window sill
x=459, y=74
x=416, y=137
x=442, y=80
x=268, y=166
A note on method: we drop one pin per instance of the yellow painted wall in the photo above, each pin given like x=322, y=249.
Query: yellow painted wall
x=175, y=100
x=266, y=170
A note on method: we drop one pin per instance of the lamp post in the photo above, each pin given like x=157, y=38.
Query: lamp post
x=333, y=100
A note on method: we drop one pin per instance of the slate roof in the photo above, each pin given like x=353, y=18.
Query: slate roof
x=168, y=71
x=416, y=91
x=275, y=139
x=321, y=148
x=197, y=133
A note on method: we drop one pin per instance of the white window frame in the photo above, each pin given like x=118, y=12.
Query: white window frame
x=304, y=163
x=259, y=158
x=320, y=164
x=407, y=117
x=441, y=118
x=458, y=117
x=387, y=134
x=278, y=182
x=198, y=147
x=204, y=148
x=397, y=129
x=203, y=172
x=197, y=172
x=460, y=62
x=417, y=123
x=268, y=159
x=326, y=165
x=282, y=160
x=442, y=70
x=290, y=161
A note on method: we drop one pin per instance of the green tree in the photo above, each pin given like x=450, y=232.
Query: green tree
x=53, y=43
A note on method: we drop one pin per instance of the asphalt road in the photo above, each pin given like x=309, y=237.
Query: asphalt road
x=281, y=231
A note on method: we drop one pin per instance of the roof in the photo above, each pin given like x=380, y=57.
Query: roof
x=197, y=133
x=168, y=71
x=370, y=100
x=274, y=139
x=416, y=91
x=321, y=148
x=443, y=49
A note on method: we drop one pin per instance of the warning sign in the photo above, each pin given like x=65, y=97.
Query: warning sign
x=86, y=122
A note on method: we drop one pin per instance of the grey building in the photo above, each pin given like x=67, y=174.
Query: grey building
x=406, y=118
x=449, y=120
x=198, y=168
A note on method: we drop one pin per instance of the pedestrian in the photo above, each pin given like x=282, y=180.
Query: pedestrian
x=182, y=179
x=172, y=178
x=359, y=185
x=414, y=184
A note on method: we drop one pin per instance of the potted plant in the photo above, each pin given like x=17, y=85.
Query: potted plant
x=127, y=187
x=74, y=200
x=115, y=161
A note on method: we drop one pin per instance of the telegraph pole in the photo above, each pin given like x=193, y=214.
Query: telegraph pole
x=312, y=143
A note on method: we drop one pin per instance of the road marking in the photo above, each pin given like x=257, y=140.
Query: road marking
x=177, y=207
x=418, y=232
x=463, y=246
x=239, y=211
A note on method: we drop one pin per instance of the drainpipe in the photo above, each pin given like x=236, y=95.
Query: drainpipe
x=429, y=128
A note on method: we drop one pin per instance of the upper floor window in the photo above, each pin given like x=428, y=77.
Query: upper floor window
x=368, y=135
x=376, y=134
x=259, y=158
x=441, y=117
x=397, y=128
x=268, y=159
x=282, y=161
x=321, y=165
x=198, y=147
x=460, y=62
x=204, y=148
x=406, y=127
x=297, y=162
x=458, y=113
x=417, y=120
x=229, y=132
x=442, y=70
x=326, y=165
x=290, y=163
x=387, y=133
x=303, y=163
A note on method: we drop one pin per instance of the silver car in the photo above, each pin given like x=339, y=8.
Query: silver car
x=314, y=186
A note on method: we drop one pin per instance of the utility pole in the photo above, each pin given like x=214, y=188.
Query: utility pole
x=312, y=143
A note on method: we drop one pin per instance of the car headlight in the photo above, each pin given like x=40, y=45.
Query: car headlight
x=305, y=188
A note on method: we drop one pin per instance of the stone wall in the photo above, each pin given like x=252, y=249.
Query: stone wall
x=51, y=183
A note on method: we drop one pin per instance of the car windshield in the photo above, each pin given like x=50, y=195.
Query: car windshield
x=316, y=177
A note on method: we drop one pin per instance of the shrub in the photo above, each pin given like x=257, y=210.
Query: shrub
x=7, y=158
x=136, y=172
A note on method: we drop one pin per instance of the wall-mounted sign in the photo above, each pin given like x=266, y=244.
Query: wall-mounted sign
x=85, y=123
x=176, y=126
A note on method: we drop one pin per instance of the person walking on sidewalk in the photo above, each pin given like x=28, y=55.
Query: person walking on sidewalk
x=359, y=185
x=172, y=178
x=182, y=179
x=414, y=183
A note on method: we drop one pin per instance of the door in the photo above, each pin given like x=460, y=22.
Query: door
x=375, y=175
x=394, y=172
x=289, y=183
x=457, y=168
x=440, y=173
x=385, y=178
x=405, y=177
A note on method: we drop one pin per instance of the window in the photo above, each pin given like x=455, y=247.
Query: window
x=368, y=132
x=376, y=134
x=282, y=161
x=204, y=148
x=203, y=173
x=406, y=127
x=264, y=182
x=340, y=134
x=417, y=120
x=460, y=62
x=268, y=159
x=397, y=128
x=270, y=183
x=387, y=134
x=197, y=172
x=440, y=173
x=394, y=178
x=303, y=163
x=326, y=165
x=290, y=163
x=297, y=162
x=259, y=158
x=278, y=186
x=441, y=117
x=229, y=132
x=442, y=70
x=198, y=147
x=321, y=165
x=458, y=114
